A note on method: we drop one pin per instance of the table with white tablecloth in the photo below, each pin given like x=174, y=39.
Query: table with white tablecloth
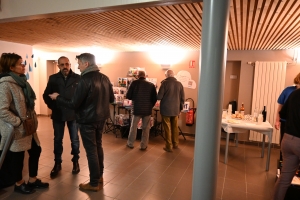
x=241, y=126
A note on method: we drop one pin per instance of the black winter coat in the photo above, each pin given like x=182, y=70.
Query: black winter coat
x=143, y=96
x=91, y=99
x=66, y=89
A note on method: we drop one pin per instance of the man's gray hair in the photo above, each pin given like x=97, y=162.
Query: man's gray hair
x=87, y=57
x=169, y=73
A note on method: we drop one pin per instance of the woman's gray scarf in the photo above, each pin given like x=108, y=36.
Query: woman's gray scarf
x=28, y=91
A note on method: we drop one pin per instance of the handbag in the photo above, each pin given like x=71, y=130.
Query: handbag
x=29, y=126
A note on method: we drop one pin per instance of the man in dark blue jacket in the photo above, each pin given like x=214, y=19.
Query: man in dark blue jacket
x=64, y=82
x=91, y=102
x=143, y=96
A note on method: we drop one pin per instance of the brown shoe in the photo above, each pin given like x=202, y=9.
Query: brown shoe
x=175, y=147
x=167, y=150
x=87, y=186
x=101, y=180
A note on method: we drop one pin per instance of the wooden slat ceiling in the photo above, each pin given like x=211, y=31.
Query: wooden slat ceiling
x=253, y=25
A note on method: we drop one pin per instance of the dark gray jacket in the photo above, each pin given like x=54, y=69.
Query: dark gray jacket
x=65, y=88
x=171, y=94
x=91, y=99
x=143, y=96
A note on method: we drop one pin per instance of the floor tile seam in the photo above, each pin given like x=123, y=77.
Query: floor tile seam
x=159, y=194
x=191, y=162
x=127, y=187
x=144, y=191
x=118, y=193
x=259, y=195
x=137, y=161
x=173, y=159
x=223, y=186
x=180, y=178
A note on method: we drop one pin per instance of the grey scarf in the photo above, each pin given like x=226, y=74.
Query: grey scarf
x=28, y=91
x=90, y=68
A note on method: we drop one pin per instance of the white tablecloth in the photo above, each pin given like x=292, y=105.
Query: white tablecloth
x=240, y=126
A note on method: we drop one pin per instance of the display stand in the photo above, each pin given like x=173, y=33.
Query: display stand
x=125, y=129
x=109, y=123
x=158, y=129
x=181, y=133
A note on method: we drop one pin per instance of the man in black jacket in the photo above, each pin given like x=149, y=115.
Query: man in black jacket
x=91, y=102
x=64, y=82
x=143, y=96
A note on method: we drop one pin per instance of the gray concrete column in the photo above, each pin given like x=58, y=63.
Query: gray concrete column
x=210, y=97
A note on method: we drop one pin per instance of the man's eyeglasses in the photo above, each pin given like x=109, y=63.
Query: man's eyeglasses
x=64, y=64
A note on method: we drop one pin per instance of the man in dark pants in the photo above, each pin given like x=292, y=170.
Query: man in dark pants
x=64, y=83
x=143, y=96
x=91, y=102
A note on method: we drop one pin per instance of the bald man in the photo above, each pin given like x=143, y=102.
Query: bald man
x=171, y=94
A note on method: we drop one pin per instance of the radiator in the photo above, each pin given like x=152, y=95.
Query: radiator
x=269, y=81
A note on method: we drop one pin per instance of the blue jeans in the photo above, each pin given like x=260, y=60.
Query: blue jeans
x=59, y=128
x=91, y=135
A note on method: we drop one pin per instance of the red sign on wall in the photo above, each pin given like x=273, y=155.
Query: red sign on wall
x=192, y=64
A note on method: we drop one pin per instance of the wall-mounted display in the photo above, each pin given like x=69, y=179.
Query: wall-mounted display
x=122, y=82
x=186, y=79
x=133, y=71
x=152, y=80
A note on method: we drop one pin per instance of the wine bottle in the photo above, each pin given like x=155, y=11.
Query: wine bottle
x=264, y=113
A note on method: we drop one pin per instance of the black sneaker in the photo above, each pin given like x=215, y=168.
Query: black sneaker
x=38, y=184
x=24, y=189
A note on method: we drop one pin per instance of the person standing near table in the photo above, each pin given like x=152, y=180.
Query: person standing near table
x=290, y=145
x=64, y=82
x=280, y=122
x=171, y=94
x=143, y=96
x=91, y=102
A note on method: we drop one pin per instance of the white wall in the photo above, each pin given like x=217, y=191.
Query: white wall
x=24, y=50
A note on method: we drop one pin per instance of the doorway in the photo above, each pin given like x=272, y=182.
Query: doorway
x=51, y=69
x=232, y=82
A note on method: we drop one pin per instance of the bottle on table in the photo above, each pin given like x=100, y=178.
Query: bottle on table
x=242, y=109
x=259, y=119
x=264, y=114
x=229, y=110
x=255, y=115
